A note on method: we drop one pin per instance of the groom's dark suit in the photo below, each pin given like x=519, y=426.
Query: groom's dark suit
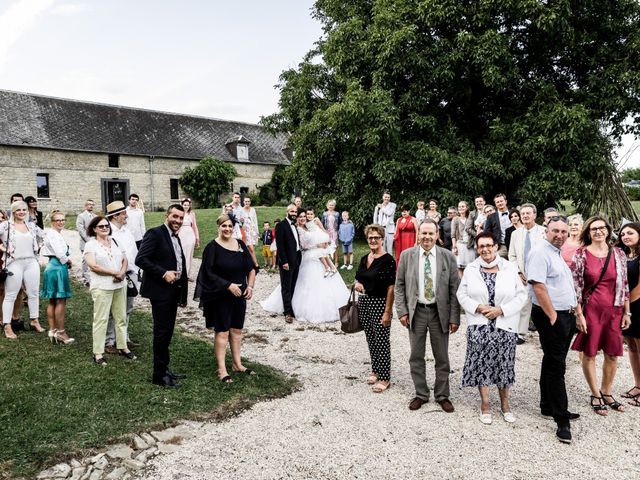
x=289, y=253
x=155, y=258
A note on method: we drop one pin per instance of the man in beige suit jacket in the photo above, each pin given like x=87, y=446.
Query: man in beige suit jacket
x=518, y=253
x=425, y=299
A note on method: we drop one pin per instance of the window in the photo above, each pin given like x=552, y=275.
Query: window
x=242, y=152
x=42, y=184
x=173, y=185
x=114, y=160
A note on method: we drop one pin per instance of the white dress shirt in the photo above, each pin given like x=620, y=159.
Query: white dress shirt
x=135, y=223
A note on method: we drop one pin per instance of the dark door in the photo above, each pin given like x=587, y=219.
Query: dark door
x=114, y=189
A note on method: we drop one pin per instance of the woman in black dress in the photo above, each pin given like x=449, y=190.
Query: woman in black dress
x=375, y=279
x=630, y=237
x=225, y=283
x=34, y=215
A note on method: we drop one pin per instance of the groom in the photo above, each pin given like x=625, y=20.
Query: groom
x=289, y=256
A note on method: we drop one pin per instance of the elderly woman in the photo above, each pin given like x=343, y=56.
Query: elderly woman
x=406, y=231
x=572, y=243
x=225, y=283
x=630, y=237
x=107, y=264
x=600, y=275
x=55, y=283
x=22, y=240
x=188, y=233
x=375, y=279
x=492, y=296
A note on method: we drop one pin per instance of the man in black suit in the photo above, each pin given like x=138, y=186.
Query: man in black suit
x=164, y=282
x=498, y=222
x=289, y=257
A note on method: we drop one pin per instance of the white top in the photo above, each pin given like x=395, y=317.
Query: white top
x=126, y=241
x=420, y=215
x=135, y=222
x=384, y=216
x=23, y=243
x=107, y=258
x=55, y=246
x=431, y=258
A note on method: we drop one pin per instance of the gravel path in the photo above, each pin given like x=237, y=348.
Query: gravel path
x=334, y=427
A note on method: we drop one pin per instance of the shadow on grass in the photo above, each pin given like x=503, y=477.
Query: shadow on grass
x=55, y=401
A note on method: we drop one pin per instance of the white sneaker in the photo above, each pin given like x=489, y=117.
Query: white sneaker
x=486, y=418
x=350, y=267
x=508, y=417
x=343, y=266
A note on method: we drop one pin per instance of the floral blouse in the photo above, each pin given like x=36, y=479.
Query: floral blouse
x=622, y=284
x=36, y=233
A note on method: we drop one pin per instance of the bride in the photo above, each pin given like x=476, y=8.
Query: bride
x=316, y=298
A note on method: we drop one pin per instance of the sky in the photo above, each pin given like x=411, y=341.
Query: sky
x=215, y=58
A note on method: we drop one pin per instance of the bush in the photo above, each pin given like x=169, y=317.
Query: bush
x=206, y=182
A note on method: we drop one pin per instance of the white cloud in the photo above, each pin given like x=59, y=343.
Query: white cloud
x=68, y=9
x=16, y=20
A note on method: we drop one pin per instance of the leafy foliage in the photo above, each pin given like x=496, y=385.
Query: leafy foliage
x=450, y=98
x=206, y=182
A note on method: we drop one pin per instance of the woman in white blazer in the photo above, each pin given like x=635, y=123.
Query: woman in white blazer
x=492, y=296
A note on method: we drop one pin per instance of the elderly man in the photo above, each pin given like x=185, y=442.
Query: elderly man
x=82, y=222
x=523, y=240
x=383, y=215
x=117, y=214
x=425, y=299
x=552, y=292
x=498, y=222
x=548, y=213
x=135, y=220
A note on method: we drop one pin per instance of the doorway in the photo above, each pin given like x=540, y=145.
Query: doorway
x=114, y=189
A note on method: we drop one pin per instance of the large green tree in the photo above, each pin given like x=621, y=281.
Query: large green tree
x=208, y=180
x=449, y=98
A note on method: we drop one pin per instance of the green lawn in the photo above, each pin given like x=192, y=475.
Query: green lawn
x=56, y=401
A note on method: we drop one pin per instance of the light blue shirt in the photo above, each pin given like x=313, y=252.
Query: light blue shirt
x=547, y=266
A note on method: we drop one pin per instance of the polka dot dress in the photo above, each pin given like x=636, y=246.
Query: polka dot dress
x=370, y=310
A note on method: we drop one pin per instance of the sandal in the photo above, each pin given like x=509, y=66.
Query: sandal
x=99, y=361
x=630, y=395
x=373, y=378
x=381, y=386
x=8, y=332
x=35, y=324
x=614, y=404
x=226, y=379
x=635, y=401
x=600, y=408
x=246, y=371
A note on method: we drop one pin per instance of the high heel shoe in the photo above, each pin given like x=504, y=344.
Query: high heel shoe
x=51, y=334
x=35, y=324
x=61, y=338
x=8, y=332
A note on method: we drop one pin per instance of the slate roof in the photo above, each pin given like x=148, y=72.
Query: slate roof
x=62, y=124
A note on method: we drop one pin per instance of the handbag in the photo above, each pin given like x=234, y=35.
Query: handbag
x=349, y=322
x=132, y=290
x=585, y=298
x=4, y=272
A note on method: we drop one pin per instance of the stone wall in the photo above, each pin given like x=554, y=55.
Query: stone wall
x=76, y=176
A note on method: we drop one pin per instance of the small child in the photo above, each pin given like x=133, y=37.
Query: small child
x=346, y=233
x=274, y=247
x=321, y=238
x=267, y=239
x=420, y=213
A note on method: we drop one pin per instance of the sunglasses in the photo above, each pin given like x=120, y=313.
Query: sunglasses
x=102, y=226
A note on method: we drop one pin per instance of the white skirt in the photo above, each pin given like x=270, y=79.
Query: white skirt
x=466, y=255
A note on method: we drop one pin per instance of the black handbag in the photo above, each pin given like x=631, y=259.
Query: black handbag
x=349, y=322
x=4, y=272
x=132, y=290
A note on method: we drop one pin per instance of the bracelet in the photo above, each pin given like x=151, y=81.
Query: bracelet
x=249, y=286
x=626, y=314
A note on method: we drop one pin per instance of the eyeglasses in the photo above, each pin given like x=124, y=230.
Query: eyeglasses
x=102, y=226
x=482, y=247
x=595, y=229
x=60, y=220
x=373, y=239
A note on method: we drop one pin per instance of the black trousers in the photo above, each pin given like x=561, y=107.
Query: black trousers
x=164, y=319
x=555, y=340
x=288, y=279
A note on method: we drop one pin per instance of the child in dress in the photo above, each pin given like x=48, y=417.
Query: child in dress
x=421, y=214
x=321, y=238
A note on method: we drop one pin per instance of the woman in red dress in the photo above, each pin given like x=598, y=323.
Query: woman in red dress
x=603, y=309
x=406, y=232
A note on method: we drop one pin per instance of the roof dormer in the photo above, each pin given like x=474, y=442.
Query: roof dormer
x=238, y=146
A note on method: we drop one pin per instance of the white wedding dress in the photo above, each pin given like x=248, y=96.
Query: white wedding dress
x=316, y=298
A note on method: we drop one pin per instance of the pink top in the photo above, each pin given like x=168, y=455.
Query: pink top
x=567, y=252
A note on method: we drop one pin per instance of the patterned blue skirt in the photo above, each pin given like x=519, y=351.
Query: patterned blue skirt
x=491, y=357
x=55, y=280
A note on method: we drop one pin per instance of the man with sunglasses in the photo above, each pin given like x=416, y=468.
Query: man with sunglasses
x=552, y=291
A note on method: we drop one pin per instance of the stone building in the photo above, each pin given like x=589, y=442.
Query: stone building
x=65, y=151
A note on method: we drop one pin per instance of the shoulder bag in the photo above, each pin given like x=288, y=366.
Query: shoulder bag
x=349, y=322
x=585, y=298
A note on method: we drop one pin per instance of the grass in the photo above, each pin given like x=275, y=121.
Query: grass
x=55, y=401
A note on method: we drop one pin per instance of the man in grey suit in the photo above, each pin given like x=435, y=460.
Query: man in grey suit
x=82, y=222
x=425, y=299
